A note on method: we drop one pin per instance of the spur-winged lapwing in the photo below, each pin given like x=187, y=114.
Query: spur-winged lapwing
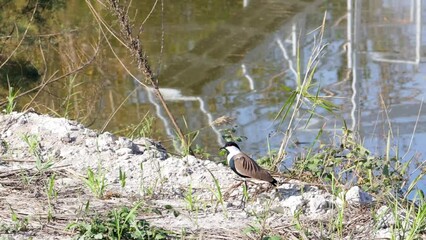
x=245, y=166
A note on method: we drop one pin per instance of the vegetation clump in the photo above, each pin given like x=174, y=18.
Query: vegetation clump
x=121, y=223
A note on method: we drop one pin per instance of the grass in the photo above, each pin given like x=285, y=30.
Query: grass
x=302, y=95
x=146, y=191
x=260, y=229
x=191, y=200
x=155, y=187
x=121, y=223
x=19, y=224
x=122, y=176
x=34, y=146
x=11, y=100
x=96, y=182
x=230, y=135
x=51, y=196
x=345, y=163
x=144, y=129
x=217, y=192
x=409, y=216
x=338, y=166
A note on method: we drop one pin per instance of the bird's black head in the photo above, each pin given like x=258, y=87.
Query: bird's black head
x=230, y=144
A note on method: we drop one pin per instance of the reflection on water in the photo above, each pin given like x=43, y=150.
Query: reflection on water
x=242, y=75
x=235, y=57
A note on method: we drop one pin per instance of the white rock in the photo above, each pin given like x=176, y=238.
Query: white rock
x=385, y=217
x=191, y=160
x=65, y=137
x=90, y=143
x=90, y=133
x=294, y=203
x=356, y=195
x=124, y=151
x=319, y=204
x=105, y=141
x=8, y=133
x=383, y=234
x=124, y=143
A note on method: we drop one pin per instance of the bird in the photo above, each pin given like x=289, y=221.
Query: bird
x=244, y=166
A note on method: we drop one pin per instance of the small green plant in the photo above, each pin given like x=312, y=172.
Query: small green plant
x=409, y=216
x=96, y=182
x=33, y=144
x=11, y=103
x=155, y=186
x=188, y=140
x=351, y=162
x=260, y=228
x=201, y=152
x=303, y=231
x=228, y=134
x=144, y=189
x=218, y=193
x=338, y=225
x=51, y=195
x=303, y=95
x=245, y=193
x=118, y=224
x=419, y=211
x=35, y=149
x=122, y=176
x=257, y=231
x=191, y=200
x=169, y=208
x=145, y=128
x=18, y=224
x=72, y=100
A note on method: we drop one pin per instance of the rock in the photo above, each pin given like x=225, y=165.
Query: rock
x=105, y=141
x=74, y=126
x=385, y=217
x=294, y=203
x=22, y=120
x=355, y=195
x=320, y=204
x=383, y=234
x=90, y=143
x=191, y=160
x=124, y=143
x=66, y=137
x=124, y=151
x=90, y=133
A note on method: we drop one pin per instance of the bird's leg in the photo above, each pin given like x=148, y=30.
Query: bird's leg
x=262, y=189
x=228, y=192
x=245, y=195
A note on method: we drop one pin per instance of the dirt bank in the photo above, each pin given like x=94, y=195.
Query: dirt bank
x=35, y=147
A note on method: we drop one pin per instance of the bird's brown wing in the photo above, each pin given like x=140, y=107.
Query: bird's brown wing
x=248, y=167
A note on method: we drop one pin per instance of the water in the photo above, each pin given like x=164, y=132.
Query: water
x=234, y=57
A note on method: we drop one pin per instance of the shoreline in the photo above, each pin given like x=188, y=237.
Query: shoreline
x=36, y=147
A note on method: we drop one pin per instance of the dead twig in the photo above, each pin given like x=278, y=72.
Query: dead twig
x=134, y=45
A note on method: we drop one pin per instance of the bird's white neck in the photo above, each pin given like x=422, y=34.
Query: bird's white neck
x=232, y=152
